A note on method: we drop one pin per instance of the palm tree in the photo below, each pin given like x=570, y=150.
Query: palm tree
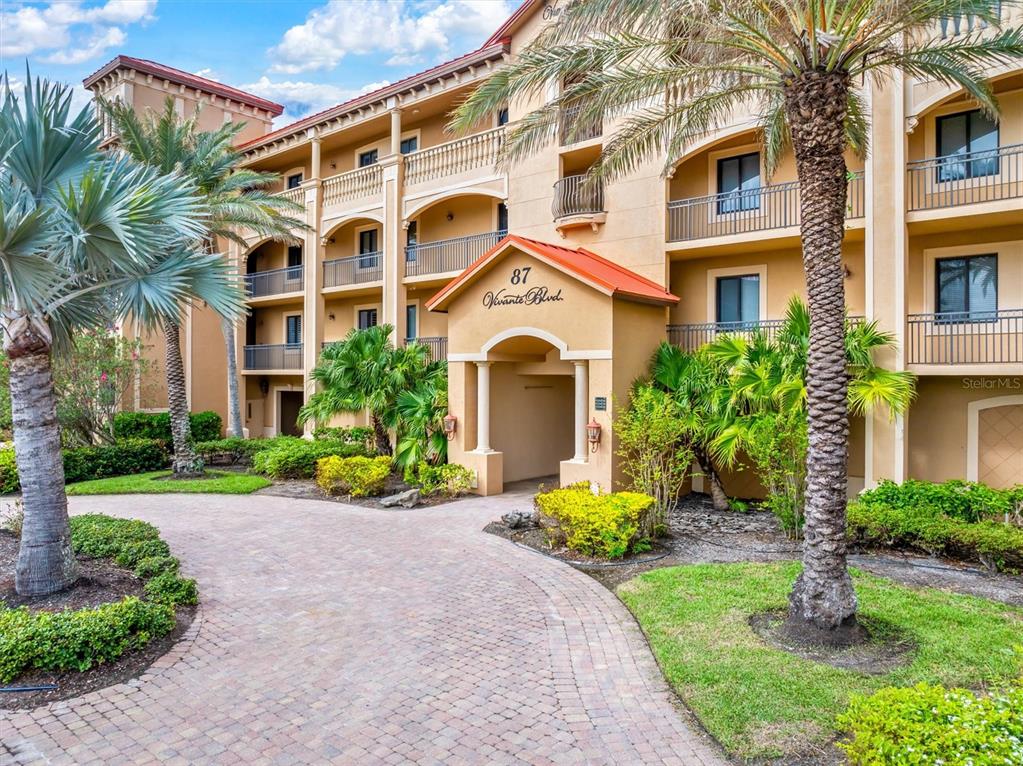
x=420, y=415
x=365, y=372
x=238, y=200
x=77, y=231
x=670, y=71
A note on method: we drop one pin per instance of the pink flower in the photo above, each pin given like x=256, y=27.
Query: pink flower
x=103, y=377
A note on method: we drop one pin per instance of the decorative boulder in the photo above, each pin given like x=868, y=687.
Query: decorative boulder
x=519, y=519
x=407, y=499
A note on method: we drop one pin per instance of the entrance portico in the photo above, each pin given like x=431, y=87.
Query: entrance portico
x=542, y=340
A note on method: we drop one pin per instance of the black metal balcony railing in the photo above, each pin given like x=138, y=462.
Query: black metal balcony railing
x=748, y=210
x=279, y=356
x=692, y=336
x=354, y=270
x=980, y=337
x=275, y=282
x=448, y=254
x=967, y=178
x=572, y=130
x=438, y=346
x=573, y=195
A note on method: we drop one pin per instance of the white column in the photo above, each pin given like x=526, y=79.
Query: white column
x=582, y=392
x=483, y=407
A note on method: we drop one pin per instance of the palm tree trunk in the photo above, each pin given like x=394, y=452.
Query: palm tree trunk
x=185, y=462
x=823, y=597
x=234, y=407
x=46, y=562
x=717, y=492
x=383, y=439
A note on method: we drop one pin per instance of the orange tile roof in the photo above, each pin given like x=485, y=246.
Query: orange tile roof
x=604, y=275
x=176, y=75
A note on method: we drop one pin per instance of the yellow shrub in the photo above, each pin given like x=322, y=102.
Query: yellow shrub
x=598, y=525
x=354, y=476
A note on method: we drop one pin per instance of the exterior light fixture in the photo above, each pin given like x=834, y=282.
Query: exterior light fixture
x=450, y=426
x=593, y=435
x=264, y=385
x=451, y=216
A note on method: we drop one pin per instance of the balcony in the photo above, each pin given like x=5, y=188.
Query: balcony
x=355, y=185
x=448, y=255
x=690, y=337
x=438, y=347
x=747, y=211
x=578, y=202
x=966, y=179
x=278, y=356
x=571, y=130
x=296, y=195
x=453, y=158
x=353, y=270
x=264, y=284
x=977, y=338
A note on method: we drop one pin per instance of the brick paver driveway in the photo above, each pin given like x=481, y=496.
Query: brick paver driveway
x=335, y=634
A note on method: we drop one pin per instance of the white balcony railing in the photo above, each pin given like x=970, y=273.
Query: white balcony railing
x=355, y=184
x=476, y=151
x=296, y=195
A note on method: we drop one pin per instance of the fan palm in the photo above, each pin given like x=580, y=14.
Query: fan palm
x=79, y=233
x=670, y=71
x=420, y=414
x=365, y=372
x=238, y=200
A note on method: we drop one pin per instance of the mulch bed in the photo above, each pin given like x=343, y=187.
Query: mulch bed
x=307, y=489
x=100, y=582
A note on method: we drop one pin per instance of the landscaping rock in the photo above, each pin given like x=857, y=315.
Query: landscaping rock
x=520, y=519
x=408, y=499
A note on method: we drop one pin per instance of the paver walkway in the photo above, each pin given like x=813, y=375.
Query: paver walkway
x=335, y=634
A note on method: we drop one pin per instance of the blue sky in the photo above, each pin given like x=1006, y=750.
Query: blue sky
x=305, y=55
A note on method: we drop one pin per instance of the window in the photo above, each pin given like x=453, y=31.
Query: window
x=293, y=329
x=410, y=144
x=411, y=331
x=738, y=299
x=502, y=217
x=738, y=183
x=294, y=181
x=367, y=318
x=369, y=255
x=294, y=271
x=967, y=287
x=411, y=240
x=368, y=158
x=967, y=146
x=502, y=116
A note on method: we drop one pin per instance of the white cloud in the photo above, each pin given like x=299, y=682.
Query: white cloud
x=68, y=31
x=408, y=31
x=208, y=73
x=300, y=99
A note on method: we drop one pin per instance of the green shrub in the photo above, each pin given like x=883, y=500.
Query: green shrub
x=77, y=640
x=605, y=525
x=168, y=588
x=151, y=566
x=130, y=554
x=449, y=479
x=348, y=434
x=103, y=537
x=965, y=500
x=8, y=472
x=296, y=459
x=941, y=528
x=235, y=451
x=205, y=426
x=357, y=476
x=933, y=725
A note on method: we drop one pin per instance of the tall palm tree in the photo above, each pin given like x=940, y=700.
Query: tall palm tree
x=77, y=231
x=670, y=71
x=239, y=202
x=365, y=372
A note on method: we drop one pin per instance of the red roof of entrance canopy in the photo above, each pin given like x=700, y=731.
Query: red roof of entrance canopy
x=600, y=273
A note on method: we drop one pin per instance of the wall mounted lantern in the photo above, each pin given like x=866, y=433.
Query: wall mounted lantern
x=450, y=426
x=593, y=435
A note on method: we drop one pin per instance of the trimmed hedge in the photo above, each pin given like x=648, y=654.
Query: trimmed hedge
x=98, y=462
x=348, y=434
x=297, y=459
x=605, y=525
x=206, y=426
x=933, y=725
x=236, y=451
x=356, y=476
x=81, y=639
x=957, y=519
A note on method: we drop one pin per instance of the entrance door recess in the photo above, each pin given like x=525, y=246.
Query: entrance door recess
x=291, y=402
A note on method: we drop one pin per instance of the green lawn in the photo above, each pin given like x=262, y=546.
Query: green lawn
x=222, y=483
x=759, y=701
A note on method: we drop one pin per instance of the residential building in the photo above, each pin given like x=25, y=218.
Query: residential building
x=545, y=330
